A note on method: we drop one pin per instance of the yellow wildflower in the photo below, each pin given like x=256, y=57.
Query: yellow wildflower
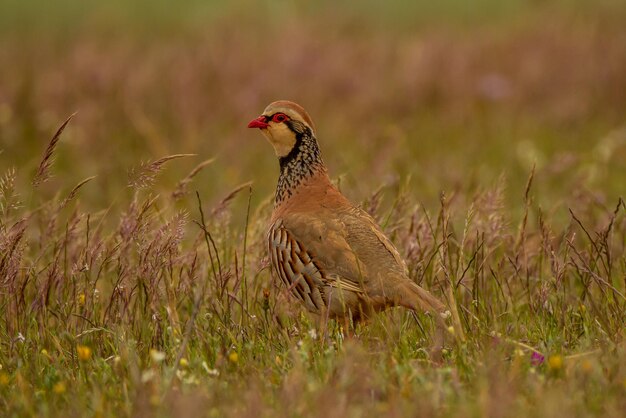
x=81, y=299
x=59, y=388
x=233, y=357
x=586, y=366
x=555, y=362
x=84, y=352
x=4, y=379
x=183, y=362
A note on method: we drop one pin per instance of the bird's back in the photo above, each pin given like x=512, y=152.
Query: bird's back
x=343, y=240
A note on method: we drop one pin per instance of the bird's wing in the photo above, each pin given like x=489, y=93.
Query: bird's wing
x=346, y=246
x=367, y=239
x=306, y=267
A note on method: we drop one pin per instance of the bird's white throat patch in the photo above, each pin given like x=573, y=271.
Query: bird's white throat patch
x=281, y=137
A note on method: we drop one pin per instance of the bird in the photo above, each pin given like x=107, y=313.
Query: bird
x=330, y=254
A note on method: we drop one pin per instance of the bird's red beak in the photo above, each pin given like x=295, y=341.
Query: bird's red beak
x=259, y=122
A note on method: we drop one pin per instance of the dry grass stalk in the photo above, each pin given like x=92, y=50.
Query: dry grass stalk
x=11, y=252
x=43, y=170
x=74, y=191
x=8, y=196
x=223, y=204
x=181, y=187
x=145, y=175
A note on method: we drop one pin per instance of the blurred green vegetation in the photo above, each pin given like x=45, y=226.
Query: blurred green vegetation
x=160, y=14
x=397, y=89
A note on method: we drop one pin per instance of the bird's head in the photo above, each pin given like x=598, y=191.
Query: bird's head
x=281, y=123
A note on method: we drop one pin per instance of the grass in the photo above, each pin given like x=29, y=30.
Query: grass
x=133, y=274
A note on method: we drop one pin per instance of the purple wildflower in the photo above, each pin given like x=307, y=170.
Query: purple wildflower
x=536, y=359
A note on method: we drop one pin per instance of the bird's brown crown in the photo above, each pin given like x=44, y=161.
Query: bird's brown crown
x=291, y=109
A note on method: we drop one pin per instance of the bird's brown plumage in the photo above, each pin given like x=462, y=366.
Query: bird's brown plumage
x=330, y=254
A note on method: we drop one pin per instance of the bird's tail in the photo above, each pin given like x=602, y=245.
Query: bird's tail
x=419, y=299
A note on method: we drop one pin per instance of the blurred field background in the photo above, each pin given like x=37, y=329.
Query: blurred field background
x=105, y=289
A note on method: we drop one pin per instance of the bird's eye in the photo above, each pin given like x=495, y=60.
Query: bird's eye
x=279, y=118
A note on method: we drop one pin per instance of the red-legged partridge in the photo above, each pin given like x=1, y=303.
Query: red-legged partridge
x=330, y=254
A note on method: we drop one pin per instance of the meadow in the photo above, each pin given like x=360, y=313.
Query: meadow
x=488, y=139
